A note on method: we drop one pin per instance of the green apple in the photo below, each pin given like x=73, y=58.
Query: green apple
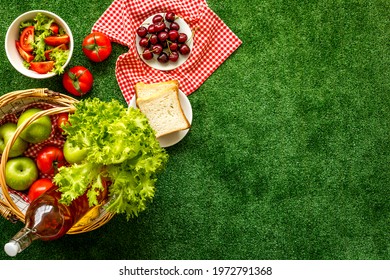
x=7, y=131
x=37, y=131
x=74, y=154
x=20, y=173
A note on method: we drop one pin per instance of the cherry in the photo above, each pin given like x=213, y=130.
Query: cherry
x=174, y=26
x=163, y=39
x=184, y=49
x=147, y=54
x=163, y=58
x=157, y=49
x=173, y=56
x=157, y=18
x=173, y=35
x=153, y=39
x=160, y=26
x=144, y=42
x=170, y=16
x=142, y=31
x=173, y=46
x=152, y=28
x=182, y=38
x=162, y=36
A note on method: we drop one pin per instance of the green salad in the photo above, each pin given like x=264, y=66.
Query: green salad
x=43, y=45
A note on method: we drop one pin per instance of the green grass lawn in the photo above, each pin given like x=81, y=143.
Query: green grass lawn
x=288, y=155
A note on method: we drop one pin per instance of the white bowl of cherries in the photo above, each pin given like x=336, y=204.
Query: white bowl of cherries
x=164, y=41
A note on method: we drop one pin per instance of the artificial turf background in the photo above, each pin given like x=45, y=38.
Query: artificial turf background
x=288, y=156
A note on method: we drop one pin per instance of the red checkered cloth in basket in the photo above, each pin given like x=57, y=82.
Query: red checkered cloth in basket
x=213, y=42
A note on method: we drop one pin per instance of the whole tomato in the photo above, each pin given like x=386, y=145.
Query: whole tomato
x=39, y=187
x=78, y=80
x=62, y=120
x=49, y=159
x=97, y=46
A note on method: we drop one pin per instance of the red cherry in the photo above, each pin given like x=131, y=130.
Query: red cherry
x=157, y=49
x=170, y=16
x=162, y=36
x=160, y=26
x=142, y=31
x=163, y=58
x=153, y=39
x=174, y=26
x=147, y=54
x=184, y=49
x=182, y=38
x=144, y=42
x=173, y=35
x=152, y=28
x=173, y=56
x=173, y=46
x=157, y=18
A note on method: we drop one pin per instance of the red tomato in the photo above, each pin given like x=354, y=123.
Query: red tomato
x=25, y=55
x=39, y=187
x=62, y=120
x=42, y=67
x=60, y=47
x=57, y=40
x=26, y=38
x=78, y=80
x=54, y=28
x=97, y=46
x=49, y=159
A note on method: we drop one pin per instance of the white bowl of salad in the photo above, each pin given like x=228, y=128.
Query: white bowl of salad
x=39, y=44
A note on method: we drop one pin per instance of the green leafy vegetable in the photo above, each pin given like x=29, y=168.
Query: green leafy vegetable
x=25, y=24
x=39, y=47
x=122, y=147
x=42, y=23
x=59, y=56
x=42, y=30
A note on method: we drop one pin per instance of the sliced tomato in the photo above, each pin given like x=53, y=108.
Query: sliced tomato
x=25, y=55
x=57, y=40
x=26, y=38
x=42, y=67
x=54, y=28
x=60, y=47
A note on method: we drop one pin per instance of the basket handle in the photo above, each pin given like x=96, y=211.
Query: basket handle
x=43, y=93
x=7, y=213
x=8, y=200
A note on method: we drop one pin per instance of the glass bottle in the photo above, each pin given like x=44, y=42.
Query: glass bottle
x=47, y=219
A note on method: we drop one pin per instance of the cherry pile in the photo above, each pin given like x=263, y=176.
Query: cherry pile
x=163, y=39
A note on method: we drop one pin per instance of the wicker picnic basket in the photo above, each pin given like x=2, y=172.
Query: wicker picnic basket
x=12, y=204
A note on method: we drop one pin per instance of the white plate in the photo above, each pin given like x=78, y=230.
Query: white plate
x=184, y=28
x=173, y=138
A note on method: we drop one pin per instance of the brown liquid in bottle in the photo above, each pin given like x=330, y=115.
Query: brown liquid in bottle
x=48, y=219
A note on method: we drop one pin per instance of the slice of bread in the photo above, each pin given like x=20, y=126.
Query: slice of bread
x=161, y=104
x=143, y=90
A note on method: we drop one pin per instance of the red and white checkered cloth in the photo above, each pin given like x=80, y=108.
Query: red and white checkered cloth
x=213, y=42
